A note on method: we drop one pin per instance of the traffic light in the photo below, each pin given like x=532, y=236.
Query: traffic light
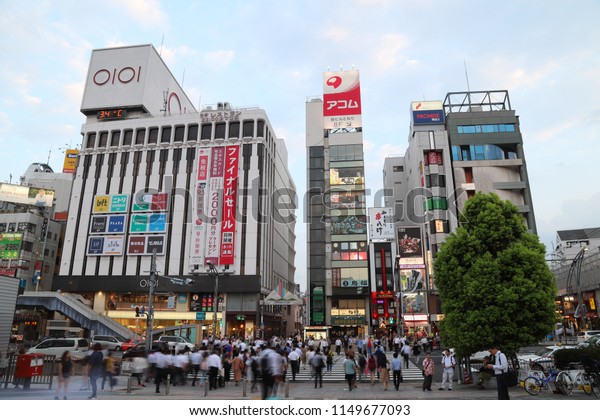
x=37, y=277
x=392, y=320
x=143, y=310
x=137, y=311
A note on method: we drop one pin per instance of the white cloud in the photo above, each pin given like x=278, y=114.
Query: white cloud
x=145, y=12
x=32, y=100
x=219, y=59
x=389, y=52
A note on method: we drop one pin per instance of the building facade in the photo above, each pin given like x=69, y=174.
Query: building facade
x=197, y=189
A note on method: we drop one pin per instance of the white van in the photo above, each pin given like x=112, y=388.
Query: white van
x=57, y=346
x=584, y=335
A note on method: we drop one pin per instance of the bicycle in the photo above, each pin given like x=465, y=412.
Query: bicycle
x=563, y=382
x=590, y=377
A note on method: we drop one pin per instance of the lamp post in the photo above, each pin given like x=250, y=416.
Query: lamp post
x=575, y=271
x=212, y=270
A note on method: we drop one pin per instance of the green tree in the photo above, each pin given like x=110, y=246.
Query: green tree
x=494, y=284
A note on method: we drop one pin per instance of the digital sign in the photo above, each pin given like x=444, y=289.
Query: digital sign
x=111, y=114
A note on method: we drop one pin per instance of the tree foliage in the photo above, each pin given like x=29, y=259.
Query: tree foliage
x=494, y=284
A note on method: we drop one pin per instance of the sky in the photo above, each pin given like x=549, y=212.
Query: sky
x=272, y=54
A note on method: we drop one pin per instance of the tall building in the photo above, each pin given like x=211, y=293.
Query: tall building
x=195, y=188
x=337, y=266
x=470, y=142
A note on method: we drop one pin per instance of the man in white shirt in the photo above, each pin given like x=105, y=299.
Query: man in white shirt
x=338, y=346
x=214, y=365
x=448, y=363
x=294, y=359
x=180, y=363
x=163, y=362
x=500, y=368
x=195, y=359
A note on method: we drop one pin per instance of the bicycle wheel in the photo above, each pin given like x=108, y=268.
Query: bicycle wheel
x=584, y=379
x=532, y=385
x=564, y=383
x=595, y=385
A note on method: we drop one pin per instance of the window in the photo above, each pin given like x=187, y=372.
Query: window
x=485, y=128
x=220, y=130
x=260, y=128
x=192, y=132
x=140, y=135
x=153, y=135
x=346, y=152
x=12, y=227
x=179, y=131
x=165, y=135
x=114, y=138
x=2, y=227
x=483, y=152
x=206, y=132
x=234, y=130
x=127, y=137
x=248, y=129
x=435, y=180
x=91, y=141
x=316, y=152
x=349, y=251
x=348, y=200
x=398, y=169
x=103, y=139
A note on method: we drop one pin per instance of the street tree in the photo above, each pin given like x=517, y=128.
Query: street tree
x=493, y=281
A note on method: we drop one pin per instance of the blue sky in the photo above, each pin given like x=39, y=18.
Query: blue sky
x=272, y=54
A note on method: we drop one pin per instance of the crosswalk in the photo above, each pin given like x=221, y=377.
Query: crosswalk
x=337, y=374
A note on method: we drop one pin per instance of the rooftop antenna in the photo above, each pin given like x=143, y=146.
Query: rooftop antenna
x=183, y=78
x=49, y=153
x=161, y=44
x=341, y=67
x=467, y=75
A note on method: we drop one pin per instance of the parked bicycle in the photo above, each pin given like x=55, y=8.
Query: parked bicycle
x=563, y=382
x=590, y=377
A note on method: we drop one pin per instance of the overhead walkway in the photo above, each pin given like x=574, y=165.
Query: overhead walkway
x=71, y=307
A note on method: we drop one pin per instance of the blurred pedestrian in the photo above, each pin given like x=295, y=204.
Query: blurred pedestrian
x=238, y=367
x=65, y=371
x=109, y=370
x=396, y=370
x=350, y=371
x=318, y=362
x=95, y=369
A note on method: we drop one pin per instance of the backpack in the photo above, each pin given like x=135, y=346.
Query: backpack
x=362, y=362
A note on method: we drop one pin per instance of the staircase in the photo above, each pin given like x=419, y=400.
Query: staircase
x=71, y=307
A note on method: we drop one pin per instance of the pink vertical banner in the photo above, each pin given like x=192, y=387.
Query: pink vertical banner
x=199, y=210
x=215, y=203
x=232, y=161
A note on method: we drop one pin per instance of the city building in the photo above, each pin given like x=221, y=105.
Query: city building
x=197, y=189
x=336, y=215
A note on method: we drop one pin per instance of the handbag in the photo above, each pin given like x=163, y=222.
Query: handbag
x=510, y=378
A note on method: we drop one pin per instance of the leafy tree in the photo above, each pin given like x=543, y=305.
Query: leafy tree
x=494, y=284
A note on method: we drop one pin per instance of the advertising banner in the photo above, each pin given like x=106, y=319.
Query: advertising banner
x=108, y=224
x=232, y=161
x=381, y=224
x=70, y=163
x=39, y=197
x=10, y=245
x=341, y=100
x=199, y=207
x=150, y=202
x=113, y=203
x=105, y=245
x=215, y=203
x=427, y=112
x=145, y=245
x=409, y=242
x=148, y=223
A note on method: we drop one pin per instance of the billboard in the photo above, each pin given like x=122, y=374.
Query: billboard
x=113, y=203
x=215, y=203
x=10, y=245
x=40, y=197
x=70, y=162
x=145, y=245
x=409, y=243
x=381, y=224
x=341, y=100
x=105, y=245
x=145, y=202
x=148, y=223
x=199, y=207
x=427, y=112
x=108, y=224
x=232, y=161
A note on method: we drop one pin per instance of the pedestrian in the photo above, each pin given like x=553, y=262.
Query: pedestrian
x=500, y=367
x=350, y=371
x=195, y=359
x=181, y=363
x=396, y=370
x=227, y=366
x=448, y=364
x=270, y=362
x=416, y=351
x=109, y=370
x=338, y=346
x=65, y=371
x=318, y=363
x=330, y=361
x=382, y=367
x=362, y=365
x=428, y=369
x=139, y=366
x=95, y=369
x=214, y=366
x=406, y=351
x=303, y=356
x=162, y=360
x=485, y=373
x=372, y=367
x=294, y=358
x=254, y=371
x=238, y=367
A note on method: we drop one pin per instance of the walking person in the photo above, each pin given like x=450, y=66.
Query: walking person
x=238, y=367
x=214, y=366
x=330, y=361
x=195, y=359
x=162, y=360
x=95, y=369
x=382, y=367
x=396, y=370
x=350, y=371
x=416, y=350
x=428, y=369
x=448, y=364
x=372, y=368
x=109, y=370
x=338, y=346
x=406, y=350
x=318, y=363
x=139, y=366
x=65, y=371
x=294, y=358
x=500, y=367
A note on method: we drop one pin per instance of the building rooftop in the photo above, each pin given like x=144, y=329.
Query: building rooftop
x=579, y=234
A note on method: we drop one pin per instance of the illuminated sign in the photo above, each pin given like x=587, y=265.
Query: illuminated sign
x=341, y=100
x=39, y=197
x=70, y=162
x=111, y=114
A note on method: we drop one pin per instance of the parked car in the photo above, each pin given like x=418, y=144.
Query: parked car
x=593, y=340
x=139, y=350
x=57, y=346
x=544, y=357
x=108, y=342
x=584, y=335
x=132, y=343
x=176, y=342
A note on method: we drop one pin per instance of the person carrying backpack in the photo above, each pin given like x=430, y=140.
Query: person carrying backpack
x=318, y=363
x=448, y=363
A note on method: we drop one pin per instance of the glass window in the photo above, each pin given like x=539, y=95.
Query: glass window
x=153, y=135
x=248, y=129
x=179, y=131
x=398, y=169
x=127, y=137
x=2, y=227
x=260, y=128
x=220, y=130
x=140, y=135
x=234, y=130
x=165, y=135
x=206, y=132
x=103, y=139
x=114, y=138
x=192, y=132
x=91, y=141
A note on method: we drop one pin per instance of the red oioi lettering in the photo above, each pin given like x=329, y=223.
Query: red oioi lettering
x=123, y=75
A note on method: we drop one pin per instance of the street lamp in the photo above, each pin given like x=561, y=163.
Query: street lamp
x=212, y=270
x=575, y=271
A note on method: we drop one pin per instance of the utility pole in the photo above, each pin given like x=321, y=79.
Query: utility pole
x=150, y=315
